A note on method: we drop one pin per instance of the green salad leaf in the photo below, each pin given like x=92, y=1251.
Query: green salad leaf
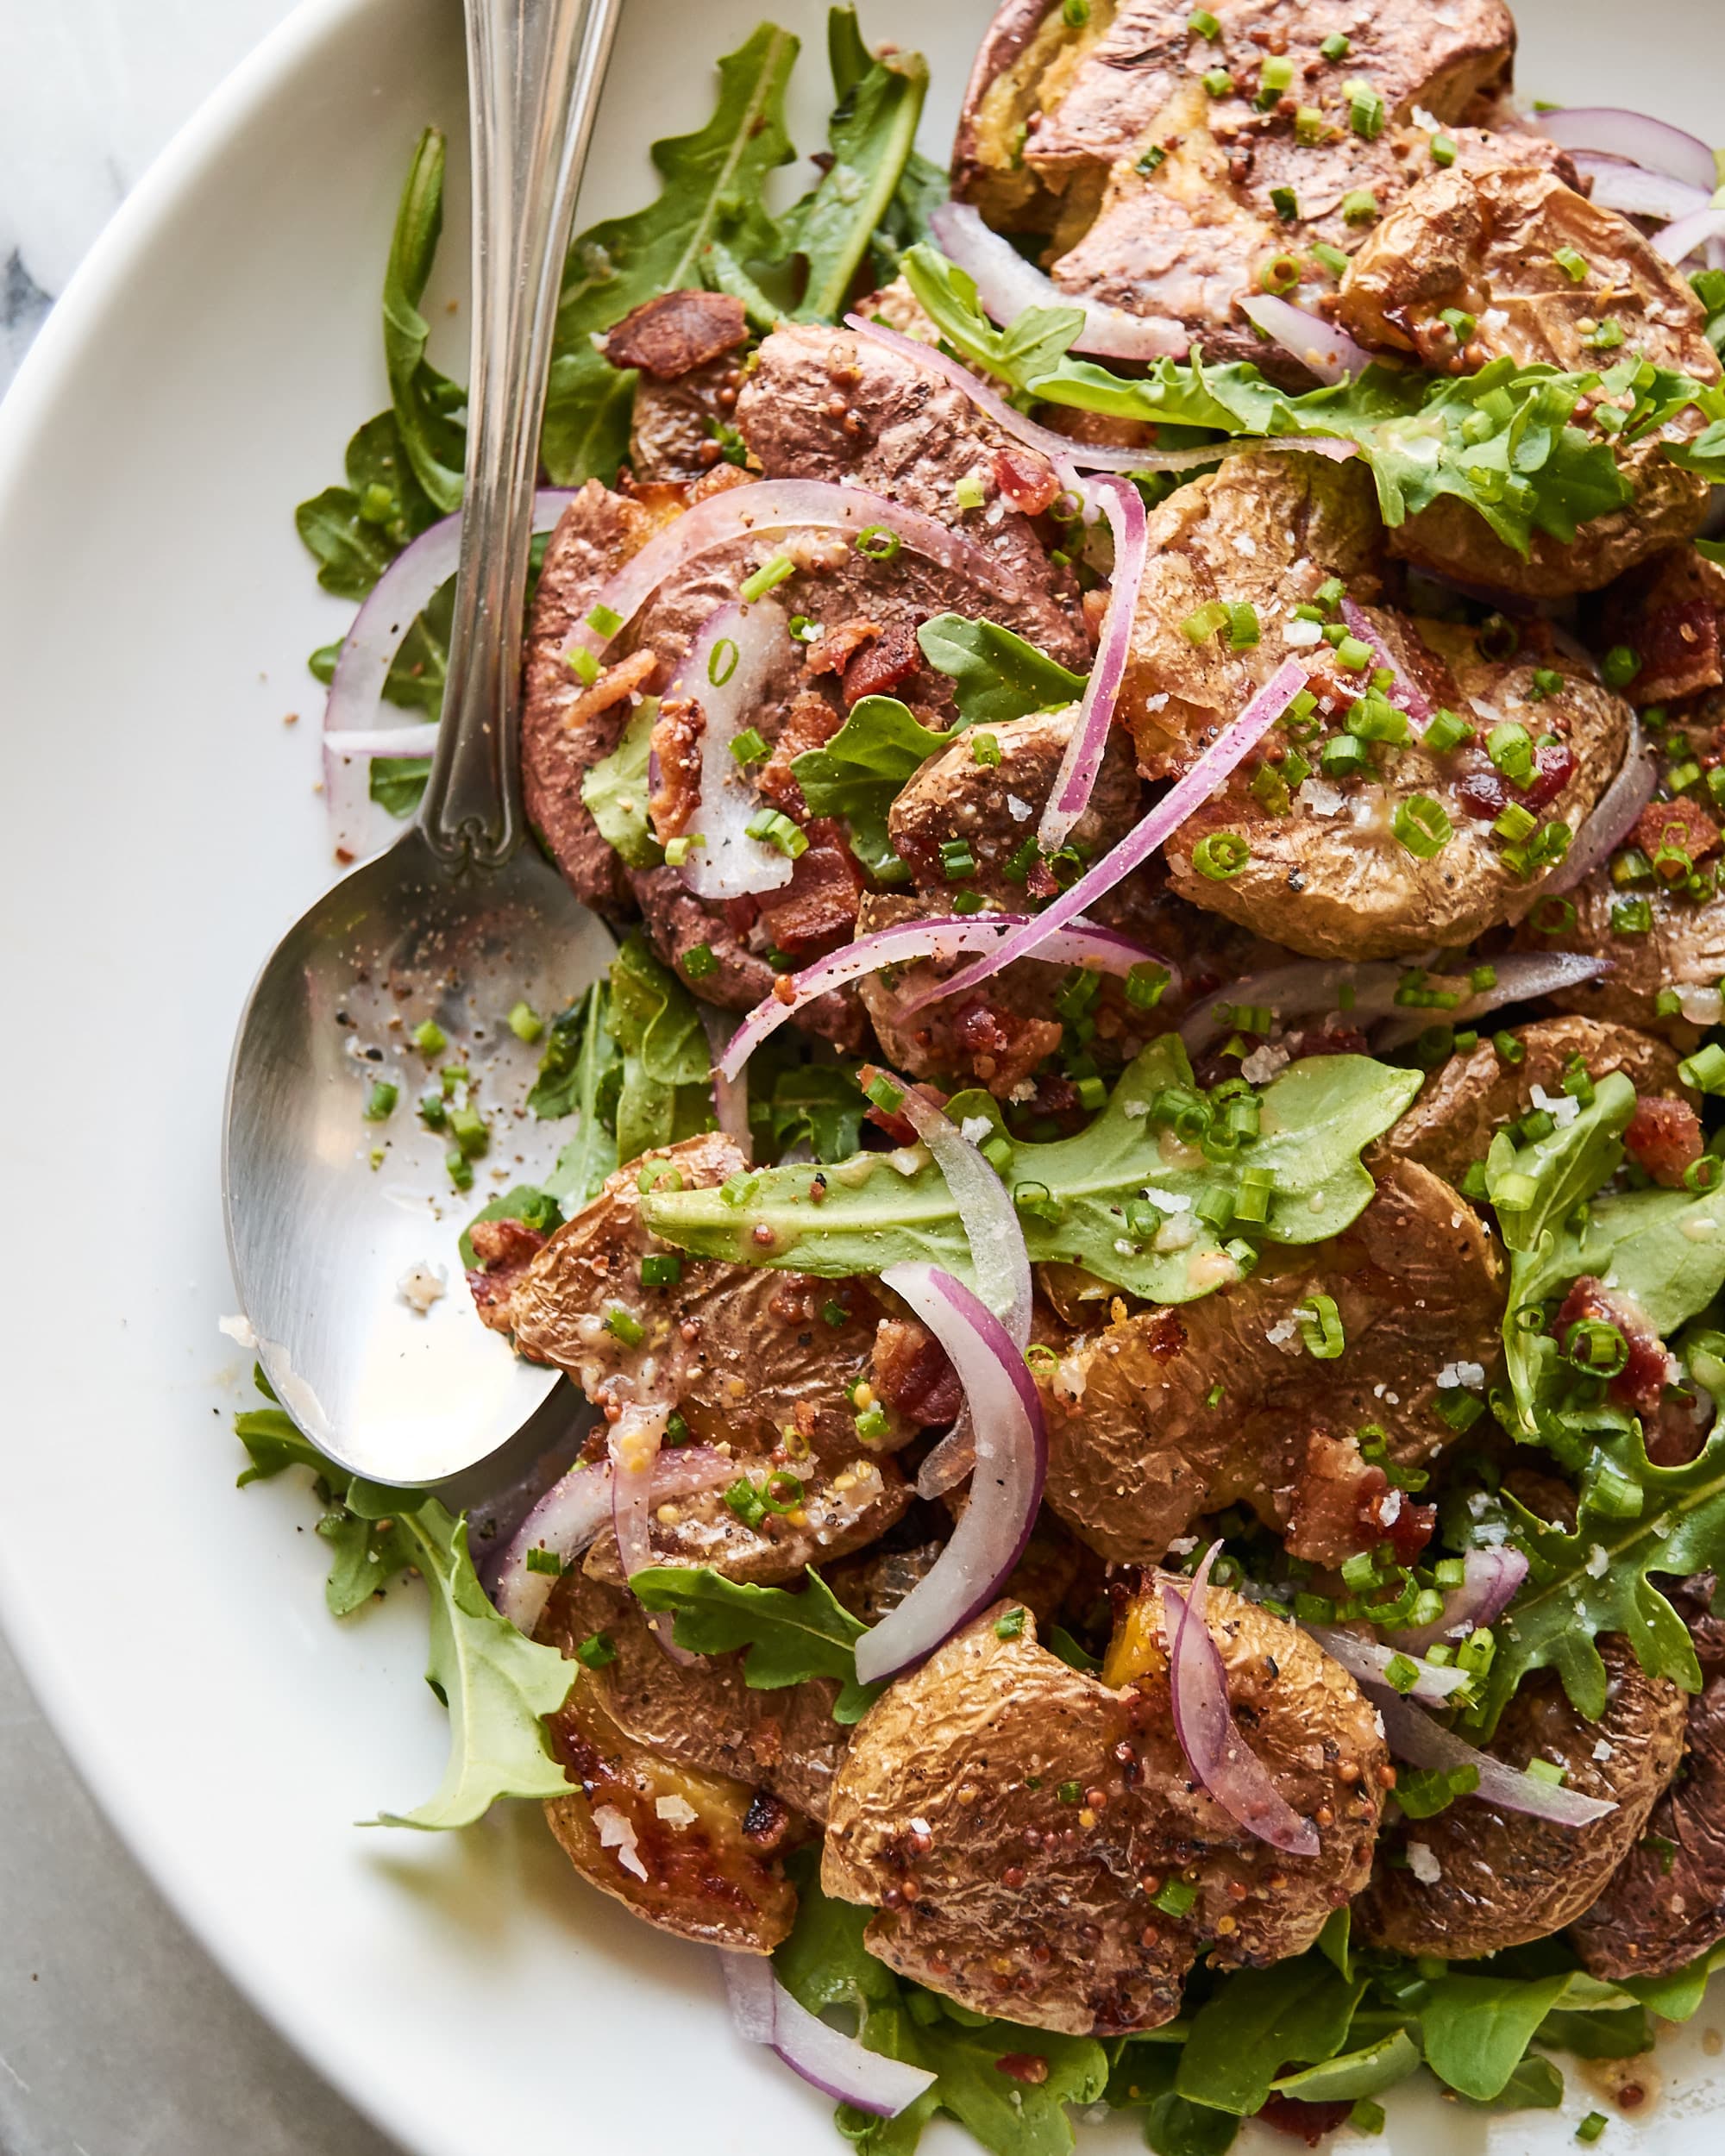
x=1259, y=2022
x=497, y=1684
x=813, y=1104
x=1082, y=1200
x=425, y=403
x=616, y=789
x=666, y=1092
x=996, y=676
x=861, y=771
x=789, y=1637
x=1476, y=2029
x=712, y=192
x=1347, y=2076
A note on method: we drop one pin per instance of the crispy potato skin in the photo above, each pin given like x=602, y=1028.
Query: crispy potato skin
x=1465, y=1100
x=1136, y=1454
x=1684, y=947
x=1506, y=1877
x=759, y=1361
x=704, y=1716
x=1486, y=241
x=1665, y=1906
x=1004, y=1898
x=1330, y=877
x=704, y=1880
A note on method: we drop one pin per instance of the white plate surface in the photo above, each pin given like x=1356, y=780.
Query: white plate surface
x=155, y=609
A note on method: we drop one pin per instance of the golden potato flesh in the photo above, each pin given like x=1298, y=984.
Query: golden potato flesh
x=1012, y=1821
x=1169, y=1415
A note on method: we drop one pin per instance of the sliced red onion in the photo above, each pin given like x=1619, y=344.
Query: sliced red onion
x=1006, y=1487
x=775, y=505
x=1403, y=690
x=1077, y=943
x=1632, y=192
x=1415, y=1737
x=1492, y=1578
x=1181, y=801
x=1295, y=991
x=574, y=1511
x=1076, y=780
x=1369, y=1662
x=635, y=1437
x=1070, y=457
x=1006, y=285
x=395, y=602
x=763, y=2012
x=1643, y=140
x=727, y=670
x=1680, y=241
x=1322, y=348
x=1614, y=814
x=729, y=1095
x=1204, y=1722
x=1520, y=977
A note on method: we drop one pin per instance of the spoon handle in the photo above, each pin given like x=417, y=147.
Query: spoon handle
x=535, y=70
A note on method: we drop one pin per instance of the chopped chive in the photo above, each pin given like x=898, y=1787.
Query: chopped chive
x=1176, y=1898
x=1009, y=1624
x=699, y=961
x=1336, y=46
x=1285, y=203
x=985, y=749
x=1310, y=125
x=1446, y=731
x=1461, y=324
x=622, y=1327
x=1221, y=855
x=1218, y=83
x=1443, y=150
x=1620, y=666
x=772, y=827
x=380, y=1101
x=525, y=1022
x=604, y=622
x=722, y=661
x=1366, y=111
x=878, y=543
x=1202, y=23
x=1321, y=1328
x=545, y=1561
x=429, y=1038
x=765, y=578
x=459, y=1167
x=584, y=665
x=663, y=1270
x=1359, y=206
x=1422, y=826
x=1242, y=628
x=1573, y=265
x=969, y=493
x=749, y=747
x=467, y=1128
x=596, y=1650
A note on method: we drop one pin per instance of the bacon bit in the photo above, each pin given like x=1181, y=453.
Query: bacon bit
x=1307, y=2122
x=676, y=333
x=1028, y=479
x=1682, y=824
x=1003, y=1047
x=817, y=907
x=834, y=648
x=1339, y=1040
x=1026, y=2066
x=676, y=742
x=1485, y=791
x=811, y=723
x=911, y=1373
x=505, y=1249
x=719, y=480
x=766, y=1821
x=1640, y=1383
x=882, y=665
x=1664, y=1137
x=1667, y=612
x=613, y=685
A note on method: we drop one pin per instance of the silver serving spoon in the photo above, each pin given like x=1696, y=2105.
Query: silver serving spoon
x=341, y=1230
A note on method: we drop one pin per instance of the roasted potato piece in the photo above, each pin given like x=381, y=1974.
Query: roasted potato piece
x=1682, y=949
x=1327, y=873
x=1058, y=118
x=1465, y=1100
x=1668, y=611
x=1137, y=1452
x=1476, y=1878
x=1493, y=244
x=1665, y=1905
x=670, y=1842
x=1010, y=1820
x=702, y=1715
x=748, y=1360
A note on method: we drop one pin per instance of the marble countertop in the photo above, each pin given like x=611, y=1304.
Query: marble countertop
x=118, y=2035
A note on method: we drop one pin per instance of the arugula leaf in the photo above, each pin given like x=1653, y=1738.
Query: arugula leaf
x=496, y=1683
x=1676, y=1996
x=1351, y=2074
x=861, y=771
x=1315, y=1118
x=397, y=783
x=666, y=1065
x=817, y=1105
x=579, y=1050
x=922, y=184
x=1534, y=2084
x=1476, y=2029
x=869, y=138
x=616, y=788
x=712, y=190
x=1032, y=349
x=996, y=676
x=1258, y=2021
x=1637, y=1521
x=789, y=1637
x=424, y=401
x=1623, y=2033
x=1564, y=1167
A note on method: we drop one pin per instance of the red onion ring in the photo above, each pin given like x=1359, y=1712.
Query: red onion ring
x=726, y=669
x=1006, y=1487
x=1367, y=1661
x=1493, y=1576
x=1181, y=801
x=772, y=505
x=1680, y=241
x=635, y=1437
x=1415, y=1737
x=1008, y=285
x=1216, y=1753
x=1614, y=814
x=1615, y=133
x=1073, y=783
x=1320, y=347
x=1632, y=192
x=729, y=1095
x=1404, y=691
x=1077, y=943
x=376, y=633
x=763, y=2012
x=573, y=1512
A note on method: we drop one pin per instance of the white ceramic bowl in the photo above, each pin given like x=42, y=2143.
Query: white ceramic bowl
x=201, y=377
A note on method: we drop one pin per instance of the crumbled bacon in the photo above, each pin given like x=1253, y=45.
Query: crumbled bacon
x=1326, y=1040
x=1307, y=2122
x=1028, y=481
x=836, y=646
x=1344, y=1504
x=1003, y=1048
x=1023, y=2065
x=1681, y=826
x=505, y=1249
x=1485, y=792
x=811, y=723
x=1664, y=1137
x=766, y=1821
x=1640, y=1383
x=624, y=678
x=1666, y=611
x=911, y=1373
x=677, y=734
x=676, y=333
x=882, y=665
x=818, y=905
